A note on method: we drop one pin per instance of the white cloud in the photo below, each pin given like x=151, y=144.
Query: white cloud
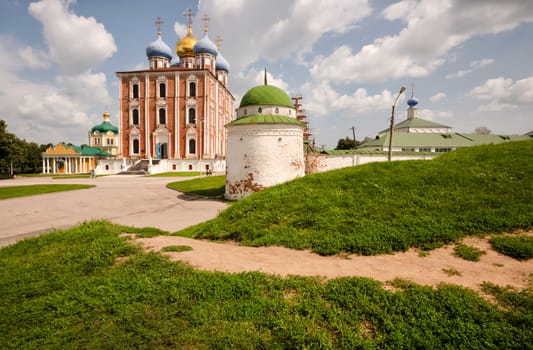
x=63, y=108
x=502, y=93
x=438, y=97
x=474, y=65
x=481, y=63
x=259, y=30
x=74, y=42
x=323, y=99
x=445, y=114
x=243, y=81
x=180, y=29
x=399, y=10
x=433, y=27
x=459, y=74
x=33, y=59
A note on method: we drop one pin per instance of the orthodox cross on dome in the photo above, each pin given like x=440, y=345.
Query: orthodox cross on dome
x=266, y=82
x=205, y=18
x=412, y=89
x=189, y=14
x=218, y=41
x=158, y=22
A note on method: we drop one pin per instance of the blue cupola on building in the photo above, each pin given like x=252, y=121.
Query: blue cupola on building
x=205, y=46
x=159, y=48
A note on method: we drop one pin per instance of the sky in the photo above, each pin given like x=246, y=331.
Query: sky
x=468, y=62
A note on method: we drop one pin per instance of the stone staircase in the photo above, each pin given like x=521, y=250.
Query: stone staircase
x=139, y=168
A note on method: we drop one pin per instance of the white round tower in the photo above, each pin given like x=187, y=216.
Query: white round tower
x=265, y=143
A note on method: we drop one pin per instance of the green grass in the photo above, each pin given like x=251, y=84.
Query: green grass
x=452, y=272
x=176, y=174
x=386, y=207
x=209, y=186
x=468, y=252
x=518, y=247
x=176, y=248
x=89, y=288
x=31, y=190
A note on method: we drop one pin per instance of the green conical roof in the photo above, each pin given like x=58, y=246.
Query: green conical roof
x=266, y=95
x=105, y=127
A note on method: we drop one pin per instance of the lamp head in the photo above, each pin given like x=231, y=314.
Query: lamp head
x=402, y=89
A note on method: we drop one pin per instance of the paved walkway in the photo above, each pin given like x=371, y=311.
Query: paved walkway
x=122, y=199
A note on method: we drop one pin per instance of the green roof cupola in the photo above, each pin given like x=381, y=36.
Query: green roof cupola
x=266, y=95
x=105, y=126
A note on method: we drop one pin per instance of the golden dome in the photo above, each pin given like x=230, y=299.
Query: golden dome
x=185, y=45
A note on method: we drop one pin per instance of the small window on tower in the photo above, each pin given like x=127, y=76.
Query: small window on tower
x=96, y=140
x=162, y=90
x=135, y=90
x=192, y=89
x=162, y=116
x=135, y=117
x=192, y=116
x=260, y=110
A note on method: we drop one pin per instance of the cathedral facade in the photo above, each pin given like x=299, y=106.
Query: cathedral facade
x=176, y=109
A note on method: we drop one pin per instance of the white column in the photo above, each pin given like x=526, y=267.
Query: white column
x=176, y=115
x=147, y=148
x=54, y=165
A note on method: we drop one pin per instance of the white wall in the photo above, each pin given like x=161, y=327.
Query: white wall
x=334, y=161
x=262, y=155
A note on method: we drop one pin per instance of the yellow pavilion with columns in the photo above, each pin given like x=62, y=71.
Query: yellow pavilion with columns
x=70, y=159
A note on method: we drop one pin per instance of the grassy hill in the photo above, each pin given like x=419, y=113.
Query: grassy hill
x=89, y=288
x=385, y=207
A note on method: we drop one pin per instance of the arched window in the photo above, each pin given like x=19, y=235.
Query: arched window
x=192, y=89
x=162, y=90
x=135, y=117
x=192, y=146
x=192, y=116
x=135, y=90
x=136, y=146
x=162, y=116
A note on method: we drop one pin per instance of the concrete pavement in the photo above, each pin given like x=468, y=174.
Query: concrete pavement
x=128, y=200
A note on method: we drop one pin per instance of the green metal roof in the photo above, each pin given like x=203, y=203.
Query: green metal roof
x=90, y=151
x=419, y=123
x=105, y=127
x=453, y=140
x=491, y=138
x=266, y=95
x=265, y=119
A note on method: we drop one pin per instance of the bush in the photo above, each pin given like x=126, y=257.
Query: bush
x=468, y=252
x=518, y=247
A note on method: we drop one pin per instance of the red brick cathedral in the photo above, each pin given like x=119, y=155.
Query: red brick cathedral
x=177, y=108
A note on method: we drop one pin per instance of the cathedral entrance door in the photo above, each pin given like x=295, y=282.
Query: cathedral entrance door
x=164, y=151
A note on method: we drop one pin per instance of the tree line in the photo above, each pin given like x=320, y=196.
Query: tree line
x=19, y=156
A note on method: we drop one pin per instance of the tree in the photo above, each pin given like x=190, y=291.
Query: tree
x=346, y=143
x=482, y=130
x=16, y=155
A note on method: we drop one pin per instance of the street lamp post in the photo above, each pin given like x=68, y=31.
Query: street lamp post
x=402, y=89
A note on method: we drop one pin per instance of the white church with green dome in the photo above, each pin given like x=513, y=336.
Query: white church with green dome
x=264, y=144
x=105, y=136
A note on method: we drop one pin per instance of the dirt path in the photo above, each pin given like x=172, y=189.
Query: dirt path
x=427, y=270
